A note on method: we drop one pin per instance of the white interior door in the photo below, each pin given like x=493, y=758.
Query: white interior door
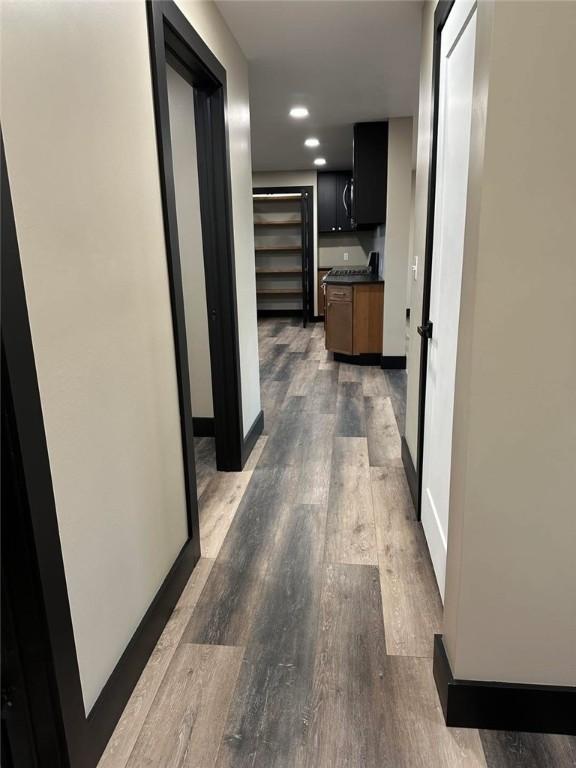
x=454, y=119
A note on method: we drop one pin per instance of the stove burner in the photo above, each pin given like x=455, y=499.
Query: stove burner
x=349, y=272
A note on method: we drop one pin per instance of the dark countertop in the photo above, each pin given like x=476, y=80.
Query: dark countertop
x=351, y=279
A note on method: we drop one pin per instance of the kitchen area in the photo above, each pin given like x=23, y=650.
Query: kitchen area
x=337, y=267
x=351, y=222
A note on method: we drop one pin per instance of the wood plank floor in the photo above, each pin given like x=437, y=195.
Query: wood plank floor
x=304, y=636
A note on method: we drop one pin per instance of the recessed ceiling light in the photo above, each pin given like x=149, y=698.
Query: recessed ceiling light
x=320, y=161
x=312, y=143
x=299, y=112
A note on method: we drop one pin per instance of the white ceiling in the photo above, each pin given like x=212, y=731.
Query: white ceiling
x=346, y=60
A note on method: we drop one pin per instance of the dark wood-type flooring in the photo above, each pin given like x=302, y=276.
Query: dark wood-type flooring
x=304, y=637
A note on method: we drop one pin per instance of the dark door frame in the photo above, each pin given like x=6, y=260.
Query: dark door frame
x=307, y=193
x=174, y=41
x=42, y=708
x=440, y=16
x=41, y=635
x=66, y=737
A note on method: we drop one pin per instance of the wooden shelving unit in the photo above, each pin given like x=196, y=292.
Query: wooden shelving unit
x=273, y=198
x=279, y=291
x=279, y=238
x=274, y=248
x=278, y=270
x=296, y=222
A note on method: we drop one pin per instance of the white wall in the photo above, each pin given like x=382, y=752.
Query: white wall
x=295, y=179
x=510, y=611
x=332, y=248
x=397, y=239
x=410, y=274
x=423, y=147
x=78, y=125
x=509, y=601
x=209, y=24
x=184, y=161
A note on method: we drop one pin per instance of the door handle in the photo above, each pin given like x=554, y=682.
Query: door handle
x=425, y=330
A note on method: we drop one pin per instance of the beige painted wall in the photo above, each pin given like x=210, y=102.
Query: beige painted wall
x=209, y=24
x=397, y=236
x=510, y=611
x=332, y=249
x=184, y=161
x=410, y=273
x=295, y=179
x=423, y=145
x=80, y=143
x=78, y=124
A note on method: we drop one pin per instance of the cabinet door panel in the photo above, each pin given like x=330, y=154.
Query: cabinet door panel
x=370, y=173
x=368, y=314
x=339, y=326
x=327, y=198
x=343, y=203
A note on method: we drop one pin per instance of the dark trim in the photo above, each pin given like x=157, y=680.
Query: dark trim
x=21, y=398
x=110, y=704
x=393, y=362
x=173, y=39
x=253, y=434
x=440, y=16
x=316, y=319
x=386, y=362
x=160, y=95
x=410, y=471
x=307, y=193
x=203, y=426
x=279, y=313
x=367, y=358
x=31, y=524
x=502, y=706
x=82, y=739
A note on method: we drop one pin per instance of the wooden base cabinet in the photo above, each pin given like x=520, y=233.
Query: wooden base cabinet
x=339, y=321
x=354, y=318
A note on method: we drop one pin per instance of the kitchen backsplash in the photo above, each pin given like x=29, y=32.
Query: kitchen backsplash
x=331, y=249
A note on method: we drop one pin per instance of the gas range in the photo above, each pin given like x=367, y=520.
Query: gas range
x=349, y=272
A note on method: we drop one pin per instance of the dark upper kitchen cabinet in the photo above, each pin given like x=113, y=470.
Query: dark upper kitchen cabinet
x=357, y=201
x=334, y=204
x=344, y=206
x=370, y=174
x=327, y=193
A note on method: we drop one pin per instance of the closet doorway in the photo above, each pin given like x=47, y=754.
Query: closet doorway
x=453, y=92
x=284, y=237
x=189, y=87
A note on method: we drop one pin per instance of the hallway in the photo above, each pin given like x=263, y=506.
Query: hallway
x=304, y=637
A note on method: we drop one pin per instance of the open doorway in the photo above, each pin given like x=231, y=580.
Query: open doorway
x=187, y=189
x=187, y=194
x=283, y=234
x=189, y=87
x=453, y=88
